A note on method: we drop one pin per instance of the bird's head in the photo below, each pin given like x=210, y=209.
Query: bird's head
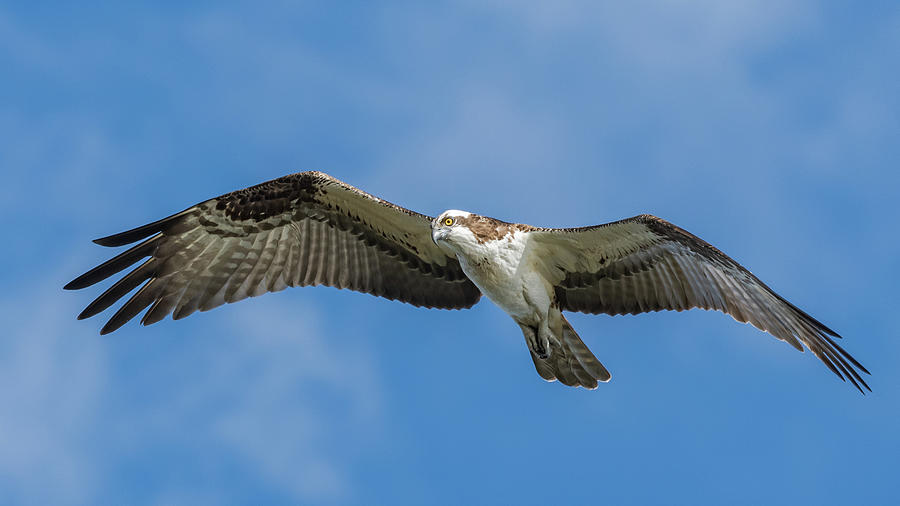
x=448, y=228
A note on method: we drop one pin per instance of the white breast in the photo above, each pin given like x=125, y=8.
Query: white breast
x=502, y=269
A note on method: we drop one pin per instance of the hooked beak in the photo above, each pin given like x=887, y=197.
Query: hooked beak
x=438, y=234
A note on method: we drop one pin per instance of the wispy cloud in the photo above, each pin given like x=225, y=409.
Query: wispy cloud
x=300, y=393
x=52, y=386
x=277, y=396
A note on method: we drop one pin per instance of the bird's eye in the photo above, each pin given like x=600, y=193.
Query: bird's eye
x=448, y=221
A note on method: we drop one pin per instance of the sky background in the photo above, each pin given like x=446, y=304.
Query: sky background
x=769, y=129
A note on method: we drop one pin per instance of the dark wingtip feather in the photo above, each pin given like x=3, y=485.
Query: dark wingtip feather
x=833, y=355
x=829, y=349
x=137, y=303
x=73, y=285
x=847, y=355
x=114, y=265
x=120, y=288
x=142, y=232
x=865, y=385
x=830, y=356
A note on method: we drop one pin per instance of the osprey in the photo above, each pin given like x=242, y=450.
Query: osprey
x=312, y=229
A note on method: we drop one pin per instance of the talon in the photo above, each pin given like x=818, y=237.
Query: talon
x=541, y=350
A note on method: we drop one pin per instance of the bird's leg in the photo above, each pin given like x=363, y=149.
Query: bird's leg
x=545, y=337
x=537, y=343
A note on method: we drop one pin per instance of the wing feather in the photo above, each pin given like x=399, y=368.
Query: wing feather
x=647, y=264
x=298, y=230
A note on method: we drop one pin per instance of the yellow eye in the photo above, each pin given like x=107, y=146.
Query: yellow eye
x=448, y=221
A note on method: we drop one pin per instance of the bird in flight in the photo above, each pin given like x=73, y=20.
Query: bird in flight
x=312, y=229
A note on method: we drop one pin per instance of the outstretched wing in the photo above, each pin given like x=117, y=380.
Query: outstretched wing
x=304, y=229
x=646, y=264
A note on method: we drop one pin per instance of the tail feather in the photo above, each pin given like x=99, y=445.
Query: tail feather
x=571, y=362
x=581, y=352
x=544, y=369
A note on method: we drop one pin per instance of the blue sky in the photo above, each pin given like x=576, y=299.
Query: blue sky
x=769, y=130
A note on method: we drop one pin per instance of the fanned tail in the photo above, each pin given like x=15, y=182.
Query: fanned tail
x=571, y=362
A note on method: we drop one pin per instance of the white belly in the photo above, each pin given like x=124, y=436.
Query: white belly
x=500, y=270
